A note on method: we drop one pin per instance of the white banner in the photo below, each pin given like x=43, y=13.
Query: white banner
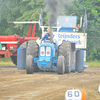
x=79, y=38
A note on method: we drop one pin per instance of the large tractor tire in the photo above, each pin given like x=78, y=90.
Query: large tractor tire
x=60, y=65
x=32, y=49
x=29, y=64
x=14, y=58
x=65, y=50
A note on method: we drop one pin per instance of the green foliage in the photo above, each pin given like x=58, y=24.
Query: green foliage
x=20, y=10
x=93, y=30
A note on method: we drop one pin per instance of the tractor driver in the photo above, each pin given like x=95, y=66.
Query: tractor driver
x=47, y=35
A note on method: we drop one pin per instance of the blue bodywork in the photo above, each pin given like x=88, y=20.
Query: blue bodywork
x=47, y=61
x=21, y=58
x=50, y=62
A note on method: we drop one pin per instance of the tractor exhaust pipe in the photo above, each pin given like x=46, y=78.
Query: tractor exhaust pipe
x=50, y=34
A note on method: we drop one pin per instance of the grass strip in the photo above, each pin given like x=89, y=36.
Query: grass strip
x=6, y=62
x=94, y=64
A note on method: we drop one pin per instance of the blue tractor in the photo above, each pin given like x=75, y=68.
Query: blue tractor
x=62, y=56
x=49, y=56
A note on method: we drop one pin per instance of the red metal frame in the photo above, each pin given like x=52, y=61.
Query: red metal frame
x=4, y=54
x=12, y=41
x=29, y=31
x=33, y=33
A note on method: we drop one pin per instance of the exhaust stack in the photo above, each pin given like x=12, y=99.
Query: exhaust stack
x=50, y=34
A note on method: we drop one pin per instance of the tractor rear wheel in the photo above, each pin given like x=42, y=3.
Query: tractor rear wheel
x=60, y=65
x=14, y=58
x=29, y=64
x=32, y=49
x=65, y=50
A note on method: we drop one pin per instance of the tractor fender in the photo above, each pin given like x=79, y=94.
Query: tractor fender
x=38, y=42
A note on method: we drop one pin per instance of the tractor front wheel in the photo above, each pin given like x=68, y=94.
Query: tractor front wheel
x=29, y=64
x=32, y=49
x=60, y=65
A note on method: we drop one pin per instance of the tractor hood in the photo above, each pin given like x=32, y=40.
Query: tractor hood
x=46, y=51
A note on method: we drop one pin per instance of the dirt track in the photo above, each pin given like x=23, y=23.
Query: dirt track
x=17, y=85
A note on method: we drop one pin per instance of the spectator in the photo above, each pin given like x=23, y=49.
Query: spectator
x=67, y=23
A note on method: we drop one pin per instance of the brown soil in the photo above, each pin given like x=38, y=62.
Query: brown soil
x=17, y=85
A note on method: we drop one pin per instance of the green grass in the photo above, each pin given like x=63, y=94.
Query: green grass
x=6, y=62
x=94, y=64
x=5, y=59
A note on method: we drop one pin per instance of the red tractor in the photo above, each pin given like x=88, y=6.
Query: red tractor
x=11, y=43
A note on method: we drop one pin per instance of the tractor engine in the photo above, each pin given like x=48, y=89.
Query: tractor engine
x=47, y=55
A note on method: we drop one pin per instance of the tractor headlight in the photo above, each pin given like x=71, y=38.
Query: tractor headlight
x=48, y=51
x=42, y=51
x=74, y=30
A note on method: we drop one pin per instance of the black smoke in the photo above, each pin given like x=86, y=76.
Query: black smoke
x=52, y=8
